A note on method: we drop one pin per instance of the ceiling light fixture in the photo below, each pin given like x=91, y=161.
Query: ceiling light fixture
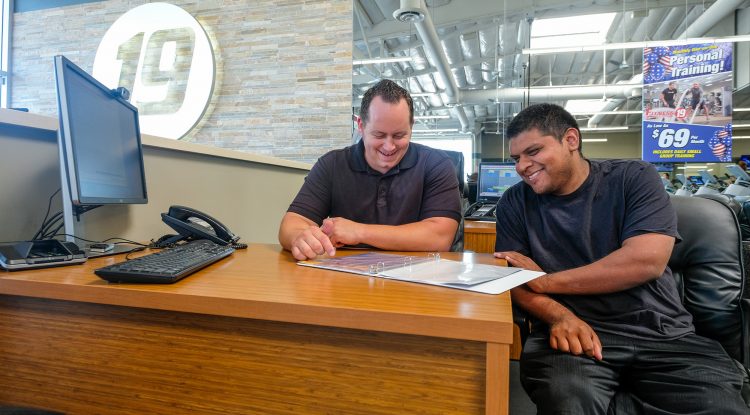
x=382, y=60
x=740, y=125
x=594, y=140
x=636, y=45
x=697, y=166
x=602, y=128
x=431, y=117
x=606, y=112
x=740, y=109
x=436, y=130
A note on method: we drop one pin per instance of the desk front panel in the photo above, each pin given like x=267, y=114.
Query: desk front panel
x=479, y=236
x=89, y=358
x=254, y=333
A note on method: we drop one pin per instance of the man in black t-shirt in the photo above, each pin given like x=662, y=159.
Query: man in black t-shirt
x=667, y=95
x=382, y=192
x=607, y=313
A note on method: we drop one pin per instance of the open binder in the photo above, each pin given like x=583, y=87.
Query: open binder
x=429, y=269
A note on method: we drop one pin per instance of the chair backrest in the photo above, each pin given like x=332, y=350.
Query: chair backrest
x=457, y=158
x=709, y=267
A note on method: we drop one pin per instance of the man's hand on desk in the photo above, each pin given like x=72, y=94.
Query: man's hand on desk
x=310, y=243
x=342, y=231
x=522, y=261
x=517, y=260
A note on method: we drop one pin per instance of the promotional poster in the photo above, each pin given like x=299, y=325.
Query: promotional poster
x=687, y=103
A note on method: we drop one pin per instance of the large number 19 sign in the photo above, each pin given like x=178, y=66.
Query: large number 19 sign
x=163, y=56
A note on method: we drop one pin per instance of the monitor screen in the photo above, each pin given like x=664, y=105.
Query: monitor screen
x=696, y=180
x=100, y=141
x=664, y=167
x=494, y=179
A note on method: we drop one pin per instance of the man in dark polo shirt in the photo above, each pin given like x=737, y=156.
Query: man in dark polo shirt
x=382, y=192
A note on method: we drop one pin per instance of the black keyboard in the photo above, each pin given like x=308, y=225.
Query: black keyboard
x=166, y=266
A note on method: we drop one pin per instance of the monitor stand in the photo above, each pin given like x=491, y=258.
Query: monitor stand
x=71, y=214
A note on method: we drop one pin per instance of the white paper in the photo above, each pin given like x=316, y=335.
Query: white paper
x=488, y=279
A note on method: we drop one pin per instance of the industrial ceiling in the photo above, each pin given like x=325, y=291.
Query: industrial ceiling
x=467, y=61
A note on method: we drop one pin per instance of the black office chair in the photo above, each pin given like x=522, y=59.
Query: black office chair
x=709, y=266
x=457, y=158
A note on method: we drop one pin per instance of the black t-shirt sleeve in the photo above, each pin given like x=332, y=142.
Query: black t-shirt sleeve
x=510, y=227
x=648, y=209
x=441, y=197
x=314, y=198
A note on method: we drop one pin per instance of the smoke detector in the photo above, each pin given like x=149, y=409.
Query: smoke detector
x=411, y=11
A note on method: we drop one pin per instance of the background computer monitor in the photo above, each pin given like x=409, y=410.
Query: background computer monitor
x=101, y=159
x=494, y=179
x=696, y=180
x=664, y=167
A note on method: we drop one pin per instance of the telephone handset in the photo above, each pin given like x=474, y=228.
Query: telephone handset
x=192, y=224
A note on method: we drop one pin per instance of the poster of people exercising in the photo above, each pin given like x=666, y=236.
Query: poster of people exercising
x=687, y=103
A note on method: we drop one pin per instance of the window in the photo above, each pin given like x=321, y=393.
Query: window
x=460, y=144
x=5, y=33
x=575, y=30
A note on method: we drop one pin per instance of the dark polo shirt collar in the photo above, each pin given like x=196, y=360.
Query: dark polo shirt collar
x=358, y=162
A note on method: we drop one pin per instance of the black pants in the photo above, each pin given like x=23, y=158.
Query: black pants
x=690, y=375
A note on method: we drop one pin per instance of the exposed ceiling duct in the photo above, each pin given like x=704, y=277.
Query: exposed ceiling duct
x=555, y=93
x=415, y=11
x=467, y=54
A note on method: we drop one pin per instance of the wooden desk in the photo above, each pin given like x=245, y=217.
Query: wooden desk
x=479, y=236
x=253, y=334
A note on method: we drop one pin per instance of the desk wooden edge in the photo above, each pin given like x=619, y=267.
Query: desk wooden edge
x=435, y=326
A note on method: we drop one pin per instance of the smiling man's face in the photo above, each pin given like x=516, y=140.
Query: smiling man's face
x=386, y=135
x=545, y=163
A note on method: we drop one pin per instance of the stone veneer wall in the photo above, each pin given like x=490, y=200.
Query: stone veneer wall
x=284, y=71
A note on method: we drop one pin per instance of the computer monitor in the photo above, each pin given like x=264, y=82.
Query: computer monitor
x=696, y=180
x=101, y=159
x=494, y=179
x=664, y=167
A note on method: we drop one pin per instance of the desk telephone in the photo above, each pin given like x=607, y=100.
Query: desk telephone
x=193, y=224
x=208, y=241
x=481, y=211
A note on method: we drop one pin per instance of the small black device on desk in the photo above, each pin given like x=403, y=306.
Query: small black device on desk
x=492, y=181
x=39, y=254
x=167, y=266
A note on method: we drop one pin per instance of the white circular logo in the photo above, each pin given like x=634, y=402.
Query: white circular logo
x=162, y=55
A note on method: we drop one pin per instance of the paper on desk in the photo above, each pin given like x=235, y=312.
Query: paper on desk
x=488, y=279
